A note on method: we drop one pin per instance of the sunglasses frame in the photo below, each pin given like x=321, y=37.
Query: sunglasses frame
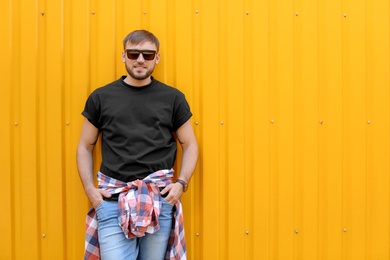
x=145, y=54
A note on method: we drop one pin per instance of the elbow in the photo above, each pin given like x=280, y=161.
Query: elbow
x=83, y=152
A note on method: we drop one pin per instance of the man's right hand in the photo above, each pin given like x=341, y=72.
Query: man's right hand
x=95, y=196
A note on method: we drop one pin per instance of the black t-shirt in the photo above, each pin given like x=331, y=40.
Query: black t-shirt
x=136, y=125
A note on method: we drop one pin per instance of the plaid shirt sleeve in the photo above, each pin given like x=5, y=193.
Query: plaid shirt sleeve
x=92, y=249
x=177, y=243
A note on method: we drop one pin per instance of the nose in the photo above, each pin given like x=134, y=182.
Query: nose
x=140, y=58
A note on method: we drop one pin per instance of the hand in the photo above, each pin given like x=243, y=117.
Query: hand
x=175, y=190
x=95, y=196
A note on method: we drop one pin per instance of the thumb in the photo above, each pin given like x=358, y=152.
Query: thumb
x=105, y=193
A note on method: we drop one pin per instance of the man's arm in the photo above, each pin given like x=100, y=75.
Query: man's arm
x=88, y=139
x=186, y=137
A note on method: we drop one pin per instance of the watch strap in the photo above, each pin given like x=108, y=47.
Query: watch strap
x=183, y=183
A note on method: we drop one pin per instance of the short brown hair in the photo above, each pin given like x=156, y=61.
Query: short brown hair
x=139, y=36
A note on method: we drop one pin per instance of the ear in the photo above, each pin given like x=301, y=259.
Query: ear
x=157, y=58
x=123, y=56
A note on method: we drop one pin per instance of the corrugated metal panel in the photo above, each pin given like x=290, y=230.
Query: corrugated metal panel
x=291, y=110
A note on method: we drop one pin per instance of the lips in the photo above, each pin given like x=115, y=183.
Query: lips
x=139, y=68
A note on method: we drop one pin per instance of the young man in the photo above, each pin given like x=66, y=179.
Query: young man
x=139, y=119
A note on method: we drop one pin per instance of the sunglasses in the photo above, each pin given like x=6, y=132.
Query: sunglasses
x=134, y=54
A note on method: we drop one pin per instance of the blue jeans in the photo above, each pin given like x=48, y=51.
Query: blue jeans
x=115, y=246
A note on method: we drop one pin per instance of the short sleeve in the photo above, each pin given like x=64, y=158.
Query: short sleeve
x=182, y=112
x=92, y=110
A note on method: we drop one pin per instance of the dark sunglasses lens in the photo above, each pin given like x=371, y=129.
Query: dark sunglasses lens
x=148, y=55
x=133, y=55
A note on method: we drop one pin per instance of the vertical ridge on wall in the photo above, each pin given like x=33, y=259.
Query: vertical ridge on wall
x=298, y=14
x=234, y=125
x=248, y=130
x=42, y=124
x=282, y=129
x=6, y=153
x=26, y=174
x=330, y=134
x=259, y=52
x=78, y=86
x=193, y=39
x=306, y=124
x=354, y=130
x=378, y=100
x=211, y=231
x=52, y=131
x=221, y=150
x=67, y=123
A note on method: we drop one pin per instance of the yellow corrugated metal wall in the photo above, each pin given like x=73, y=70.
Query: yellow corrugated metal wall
x=291, y=111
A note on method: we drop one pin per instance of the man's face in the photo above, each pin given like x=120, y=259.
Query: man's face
x=140, y=66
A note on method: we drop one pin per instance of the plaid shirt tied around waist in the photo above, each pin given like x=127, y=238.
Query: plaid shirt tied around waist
x=139, y=204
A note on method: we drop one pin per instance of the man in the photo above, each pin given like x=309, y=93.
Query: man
x=139, y=119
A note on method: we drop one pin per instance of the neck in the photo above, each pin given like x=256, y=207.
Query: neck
x=136, y=82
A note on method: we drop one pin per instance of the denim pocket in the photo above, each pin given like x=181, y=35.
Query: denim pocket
x=100, y=211
x=164, y=201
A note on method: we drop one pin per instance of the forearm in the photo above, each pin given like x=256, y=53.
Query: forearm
x=187, y=140
x=188, y=162
x=86, y=173
x=85, y=168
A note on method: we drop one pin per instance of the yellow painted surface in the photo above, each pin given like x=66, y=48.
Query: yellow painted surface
x=291, y=104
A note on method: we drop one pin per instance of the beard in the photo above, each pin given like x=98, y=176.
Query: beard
x=139, y=76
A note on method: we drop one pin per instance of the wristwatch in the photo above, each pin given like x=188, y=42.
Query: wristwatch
x=183, y=183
